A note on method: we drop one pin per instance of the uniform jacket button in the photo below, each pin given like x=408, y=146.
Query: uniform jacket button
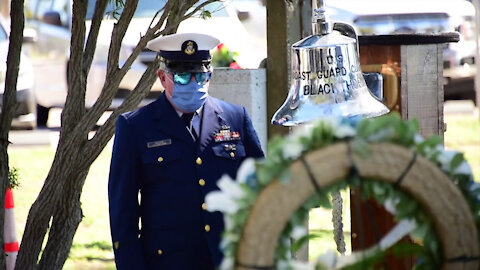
x=116, y=244
x=199, y=161
x=207, y=228
x=232, y=154
x=204, y=206
x=160, y=252
x=160, y=159
x=201, y=182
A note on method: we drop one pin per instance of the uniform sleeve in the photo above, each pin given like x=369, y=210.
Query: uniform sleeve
x=251, y=142
x=123, y=188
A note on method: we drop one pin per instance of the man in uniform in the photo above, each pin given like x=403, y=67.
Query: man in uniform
x=172, y=152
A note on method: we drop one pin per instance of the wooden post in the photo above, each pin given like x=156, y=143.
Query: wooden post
x=418, y=61
x=287, y=23
x=283, y=29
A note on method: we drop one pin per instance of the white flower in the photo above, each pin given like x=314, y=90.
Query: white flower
x=229, y=223
x=340, y=130
x=231, y=188
x=304, y=130
x=301, y=265
x=298, y=232
x=219, y=201
x=333, y=122
x=418, y=138
x=227, y=263
x=283, y=265
x=246, y=169
x=292, y=149
x=381, y=135
x=343, y=131
x=390, y=205
x=445, y=158
x=463, y=168
x=327, y=260
x=429, y=151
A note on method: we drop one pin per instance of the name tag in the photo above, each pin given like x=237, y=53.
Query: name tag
x=159, y=143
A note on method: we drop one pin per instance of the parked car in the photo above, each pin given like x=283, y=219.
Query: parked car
x=25, y=114
x=51, y=19
x=377, y=17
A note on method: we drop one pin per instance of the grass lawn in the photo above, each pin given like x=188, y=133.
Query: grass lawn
x=92, y=247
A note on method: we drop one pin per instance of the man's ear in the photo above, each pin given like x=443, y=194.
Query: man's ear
x=162, y=76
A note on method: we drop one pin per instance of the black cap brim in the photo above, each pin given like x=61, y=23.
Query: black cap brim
x=186, y=66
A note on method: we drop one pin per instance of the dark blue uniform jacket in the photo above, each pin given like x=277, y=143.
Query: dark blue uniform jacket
x=155, y=156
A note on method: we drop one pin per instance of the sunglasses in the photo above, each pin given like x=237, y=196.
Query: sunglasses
x=184, y=78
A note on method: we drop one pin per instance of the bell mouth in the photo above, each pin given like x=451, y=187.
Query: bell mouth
x=363, y=105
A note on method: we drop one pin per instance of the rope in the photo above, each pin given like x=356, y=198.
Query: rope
x=337, y=202
x=407, y=169
x=338, y=235
x=310, y=175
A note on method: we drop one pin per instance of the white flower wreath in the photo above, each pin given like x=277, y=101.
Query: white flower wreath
x=235, y=198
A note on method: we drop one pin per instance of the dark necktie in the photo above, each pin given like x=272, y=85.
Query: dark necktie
x=187, y=119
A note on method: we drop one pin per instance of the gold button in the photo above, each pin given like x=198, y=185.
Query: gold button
x=232, y=154
x=160, y=159
x=201, y=182
x=204, y=206
x=116, y=244
x=199, y=161
x=207, y=228
x=160, y=252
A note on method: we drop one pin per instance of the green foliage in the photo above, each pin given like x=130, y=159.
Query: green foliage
x=223, y=57
x=117, y=9
x=205, y=14
x=13, y=178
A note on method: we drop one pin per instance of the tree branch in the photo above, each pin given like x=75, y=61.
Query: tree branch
x=75, y=103
x=118, y=34
x=91, y=44
x=111, y=85
x=106, y=131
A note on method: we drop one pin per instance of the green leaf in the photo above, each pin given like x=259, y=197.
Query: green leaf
x=13, y=178
x=403, y=249
x=429, y=143
x=205, y=14
x=361, y=147
x=456, y=161
x=285, y=176
x=406, y=208
x=301, y=242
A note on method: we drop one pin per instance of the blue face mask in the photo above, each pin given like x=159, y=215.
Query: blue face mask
x=189, y=97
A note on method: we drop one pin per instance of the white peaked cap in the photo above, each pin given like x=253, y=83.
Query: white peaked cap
x=174, y=42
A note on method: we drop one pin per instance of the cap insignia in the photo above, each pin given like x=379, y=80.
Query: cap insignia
x=190, y=48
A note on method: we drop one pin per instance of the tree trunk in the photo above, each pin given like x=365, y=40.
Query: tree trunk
x=64, y=226
x=8, y=108
x=3, y=189
x=58, y=202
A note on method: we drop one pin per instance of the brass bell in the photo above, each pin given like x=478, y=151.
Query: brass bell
x=326, y=77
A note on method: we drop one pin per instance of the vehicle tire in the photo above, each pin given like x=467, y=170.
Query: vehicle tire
x=42, y=115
